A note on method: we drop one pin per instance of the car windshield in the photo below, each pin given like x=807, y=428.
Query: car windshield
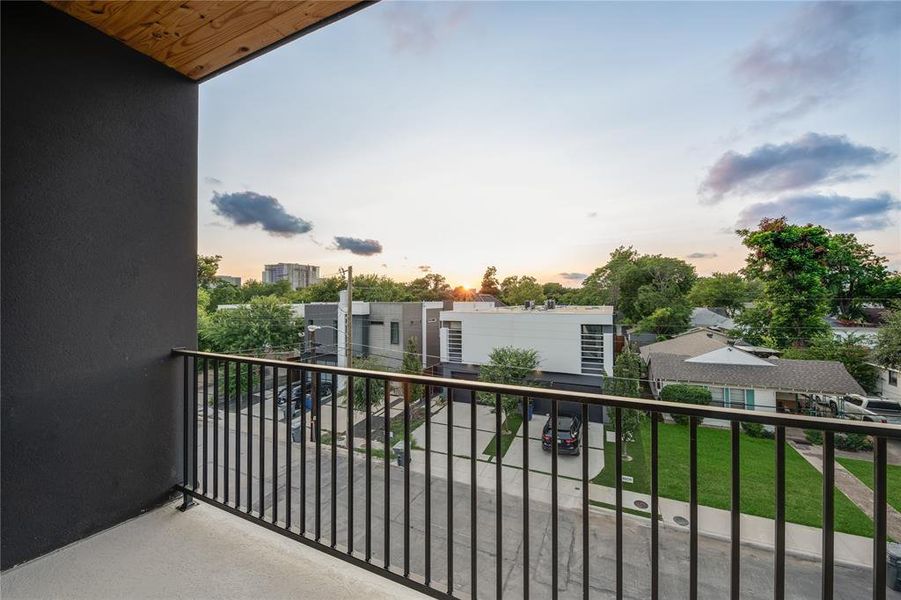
x=883, y=405
x=854, y=401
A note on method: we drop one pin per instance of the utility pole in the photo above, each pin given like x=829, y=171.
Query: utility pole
x=348, y=328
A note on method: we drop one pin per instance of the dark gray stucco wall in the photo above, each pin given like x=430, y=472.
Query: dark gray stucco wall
x=99, y=171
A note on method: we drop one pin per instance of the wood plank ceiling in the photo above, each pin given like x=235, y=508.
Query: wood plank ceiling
x=199, y=37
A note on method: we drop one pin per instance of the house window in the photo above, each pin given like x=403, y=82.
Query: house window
x=593, y=349
x=749, y=399
x=395, y=332
x=893, y=378
x=374, y=323
x=454, y=341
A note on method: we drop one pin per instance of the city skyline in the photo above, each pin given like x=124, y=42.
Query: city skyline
x=538, y=137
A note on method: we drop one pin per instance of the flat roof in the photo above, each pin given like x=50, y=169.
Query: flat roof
x=506, y=310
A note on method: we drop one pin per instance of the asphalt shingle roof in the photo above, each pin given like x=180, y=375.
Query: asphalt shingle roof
x=823, y=376
x=692, y=343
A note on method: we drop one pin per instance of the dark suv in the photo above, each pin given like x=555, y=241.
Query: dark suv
x=569, y=433
x=299, y=392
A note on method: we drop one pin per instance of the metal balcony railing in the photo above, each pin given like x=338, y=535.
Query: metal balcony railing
x=225, y=464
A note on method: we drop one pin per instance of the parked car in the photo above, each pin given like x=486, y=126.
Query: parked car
x=569, y=434
x=299, y=392
x=879, y=410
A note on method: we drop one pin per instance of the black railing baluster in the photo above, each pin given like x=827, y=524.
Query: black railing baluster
x=333, y=464
x=427, y=541
x=618, y=472
x=302, y=514
x=215, y=428
x=238, y=401
x=249, y=438
x=317, y=434
x=387, y=437
x=693, y=508
x=585, y=450
x=554, y=533
x=473, y=497
x=194, y=427
x=275, y=445
x=186, y=450
x=407, y=399
x=206, y=404
x=499, y=512
x=450, y=490
x=828, y=512
x=735, y=514
x=879, y=517
x=289, y=423
x=225, y=436
x=779, y=557
x=368, y=392
x=261, y=501
x=526, y=566
x=350, y=463
x=655, y=511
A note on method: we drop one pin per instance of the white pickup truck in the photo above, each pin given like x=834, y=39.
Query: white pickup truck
x=865, y=408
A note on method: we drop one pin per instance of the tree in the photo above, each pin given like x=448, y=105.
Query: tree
x=728, y=291
x=519, y=290
x=461, y=294
x=666, y=321
x=639, y=285
x=856, y=274
x=791, y=261
x=376, y=392
x=626, y=381
x=753, y=325
x=430, y=287
x=512, y=366
x=207, y=266
x=849, y=351
x=266, y=322
x=489, y=282
x=379, y=288
x=888, y=342
x=412, y=365
x=687, y=394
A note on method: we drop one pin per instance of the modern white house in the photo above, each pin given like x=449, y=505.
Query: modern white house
x=888, y=383
x=576, y=340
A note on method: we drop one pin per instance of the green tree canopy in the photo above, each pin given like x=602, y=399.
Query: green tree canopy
x=512, y=366
x=855, y=275
x=791, y=261
x=376, y=389
x=489, y=282
x=429, y=287
x=266, y=322
x=412, y=365
x=520, y=289
x=207, y=266
x=723, y=290
x=888, y=343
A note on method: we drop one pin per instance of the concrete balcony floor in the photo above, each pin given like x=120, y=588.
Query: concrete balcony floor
x=202, y=553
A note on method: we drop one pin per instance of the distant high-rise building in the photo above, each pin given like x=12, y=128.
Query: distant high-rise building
x=229, y=279
x=300, y=276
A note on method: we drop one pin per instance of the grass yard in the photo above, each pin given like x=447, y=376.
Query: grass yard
x=803, y=483
x=511, y=425
x=863, y=470
x=637, y=468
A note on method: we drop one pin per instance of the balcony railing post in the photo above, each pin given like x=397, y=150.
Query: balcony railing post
x=186, y=500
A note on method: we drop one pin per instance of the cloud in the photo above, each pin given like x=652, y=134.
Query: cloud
x=418, y=27
x=838, y=213
x=358, y=246
x=573, y=276
x=425, y=268
x=814, y=57
x=212, y=181
x=811, y=159
x=701, y=255
x=592, y=214
x=250, y=208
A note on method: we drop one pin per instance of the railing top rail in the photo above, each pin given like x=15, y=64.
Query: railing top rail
x=660, y=406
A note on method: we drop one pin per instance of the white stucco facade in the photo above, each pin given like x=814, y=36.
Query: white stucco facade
x=556, y=334
x=889, y=385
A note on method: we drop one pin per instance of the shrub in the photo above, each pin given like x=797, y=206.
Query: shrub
x=756, y=430
x=853, y=442
x=814, y=436
x=687, y=394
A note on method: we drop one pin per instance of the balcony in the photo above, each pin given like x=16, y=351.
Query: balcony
x=531, y=525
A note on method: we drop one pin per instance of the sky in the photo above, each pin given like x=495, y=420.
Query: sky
x=537, y=137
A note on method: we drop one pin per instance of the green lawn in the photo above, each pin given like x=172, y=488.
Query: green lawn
x=803, y=483
x=511, y=425
x=863, y=470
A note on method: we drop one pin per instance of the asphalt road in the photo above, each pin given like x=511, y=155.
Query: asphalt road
x=803, y=576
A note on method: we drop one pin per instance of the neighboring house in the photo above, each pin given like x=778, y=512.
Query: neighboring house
x=711, y=317
x=742, y=380
x=887, y=386
x=866, y=334
x=698, y=341
x=574, y=343
x=300, y=276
